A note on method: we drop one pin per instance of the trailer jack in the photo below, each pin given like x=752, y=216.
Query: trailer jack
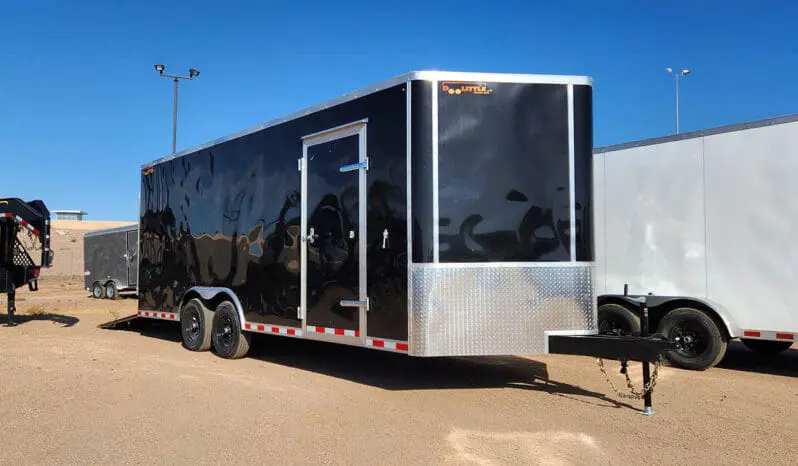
x=643, y=347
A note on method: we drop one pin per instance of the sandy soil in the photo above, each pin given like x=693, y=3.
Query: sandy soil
x=72, y=392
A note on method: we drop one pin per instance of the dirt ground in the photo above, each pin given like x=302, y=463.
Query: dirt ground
x=72, y=392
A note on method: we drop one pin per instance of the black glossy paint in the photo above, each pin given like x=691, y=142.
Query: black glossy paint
x=333, y=211
x=583, y=172
x=421, y=174
x=228, y=216
x=503, y=168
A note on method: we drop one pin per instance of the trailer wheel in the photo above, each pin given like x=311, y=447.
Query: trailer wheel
x=613, y=317
x=767, y=347
x=699, y=342
x=111, y=291
x=97, y=291
x=229, y=341
x=195, y=324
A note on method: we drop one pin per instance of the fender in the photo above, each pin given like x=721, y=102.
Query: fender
x=209, y=292
x=655, y=301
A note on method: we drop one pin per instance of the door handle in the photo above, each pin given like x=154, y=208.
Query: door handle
x=312, y=235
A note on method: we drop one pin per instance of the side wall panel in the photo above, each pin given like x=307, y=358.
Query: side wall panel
x=654, y=219
x=228, y=216
x=752, y=221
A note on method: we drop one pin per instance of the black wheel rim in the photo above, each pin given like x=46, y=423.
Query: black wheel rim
x=191, y=327
x=224, y=331
x=690, y=340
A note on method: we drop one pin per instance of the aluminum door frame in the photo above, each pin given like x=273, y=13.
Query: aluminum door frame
x=355, y=128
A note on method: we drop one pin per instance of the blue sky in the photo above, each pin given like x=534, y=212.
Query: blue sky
x=83, y=108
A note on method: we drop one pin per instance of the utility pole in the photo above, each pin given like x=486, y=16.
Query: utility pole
x=192, y=73
x=676, y=76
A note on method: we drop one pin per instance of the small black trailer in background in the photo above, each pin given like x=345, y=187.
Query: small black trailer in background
x=24, y=227
x=433, y=214
x=110, y=259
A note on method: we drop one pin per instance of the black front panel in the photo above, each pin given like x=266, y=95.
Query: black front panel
x=333, y=234
x=583, y=172
x=503, y=168
x=228, y=216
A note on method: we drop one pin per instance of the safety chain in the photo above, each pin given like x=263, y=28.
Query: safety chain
x=635, y=394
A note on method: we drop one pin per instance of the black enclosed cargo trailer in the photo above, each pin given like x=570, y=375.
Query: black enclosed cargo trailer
x=110, y=260
x=434, y=214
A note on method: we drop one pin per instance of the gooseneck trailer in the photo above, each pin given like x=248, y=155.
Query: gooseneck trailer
x=703, y=225
x=110, y=259
x=24, y=227
x=433, y=214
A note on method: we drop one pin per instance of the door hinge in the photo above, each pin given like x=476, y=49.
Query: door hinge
x=355, y=303
x=355, y=166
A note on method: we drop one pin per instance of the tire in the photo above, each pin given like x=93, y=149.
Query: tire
x=110, y=291
x=97, y=291
x=195, y=325
x=613, y=317
x=229, y=341
x=766, y=347
x=700, y=343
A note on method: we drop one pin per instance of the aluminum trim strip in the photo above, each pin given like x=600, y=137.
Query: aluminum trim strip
x=111, y=230
x=699, y=133
x=409, y=187
x=477, y=265
x=571, y=174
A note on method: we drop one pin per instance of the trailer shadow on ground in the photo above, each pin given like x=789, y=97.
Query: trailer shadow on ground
x=391, y=371
x=21, y=319
x=740, y=358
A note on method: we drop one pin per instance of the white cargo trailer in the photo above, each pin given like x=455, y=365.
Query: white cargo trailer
x=703, y=223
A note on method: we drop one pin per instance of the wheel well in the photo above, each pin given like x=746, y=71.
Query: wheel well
x=209, y=303
x=657, y=312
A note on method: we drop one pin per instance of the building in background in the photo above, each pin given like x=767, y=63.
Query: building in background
x=68, y=214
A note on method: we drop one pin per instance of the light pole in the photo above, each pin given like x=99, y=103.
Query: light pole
x=684, y=72
x=192, y=73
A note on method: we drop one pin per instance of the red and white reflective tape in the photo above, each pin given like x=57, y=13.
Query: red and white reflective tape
x=333, y=331
x=769, y=335
x=273, y=329
x=22, y=222
x=158, y=315
x=390, y=345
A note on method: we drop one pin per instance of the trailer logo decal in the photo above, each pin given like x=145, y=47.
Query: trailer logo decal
x=148, y=171
x=457, y=88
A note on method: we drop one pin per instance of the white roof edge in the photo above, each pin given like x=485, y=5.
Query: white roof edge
x=428, y=75
x=131, y=227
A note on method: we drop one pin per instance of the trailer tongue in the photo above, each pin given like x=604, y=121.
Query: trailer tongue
x=23, y=226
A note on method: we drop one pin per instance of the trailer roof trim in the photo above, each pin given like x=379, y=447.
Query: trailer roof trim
x=430, y=75
x=699, y=133
x=130, y=227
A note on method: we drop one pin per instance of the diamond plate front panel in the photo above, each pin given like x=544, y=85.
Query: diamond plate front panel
x=468, y=310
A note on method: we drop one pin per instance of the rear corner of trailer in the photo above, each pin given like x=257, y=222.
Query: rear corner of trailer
x=512, y=238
